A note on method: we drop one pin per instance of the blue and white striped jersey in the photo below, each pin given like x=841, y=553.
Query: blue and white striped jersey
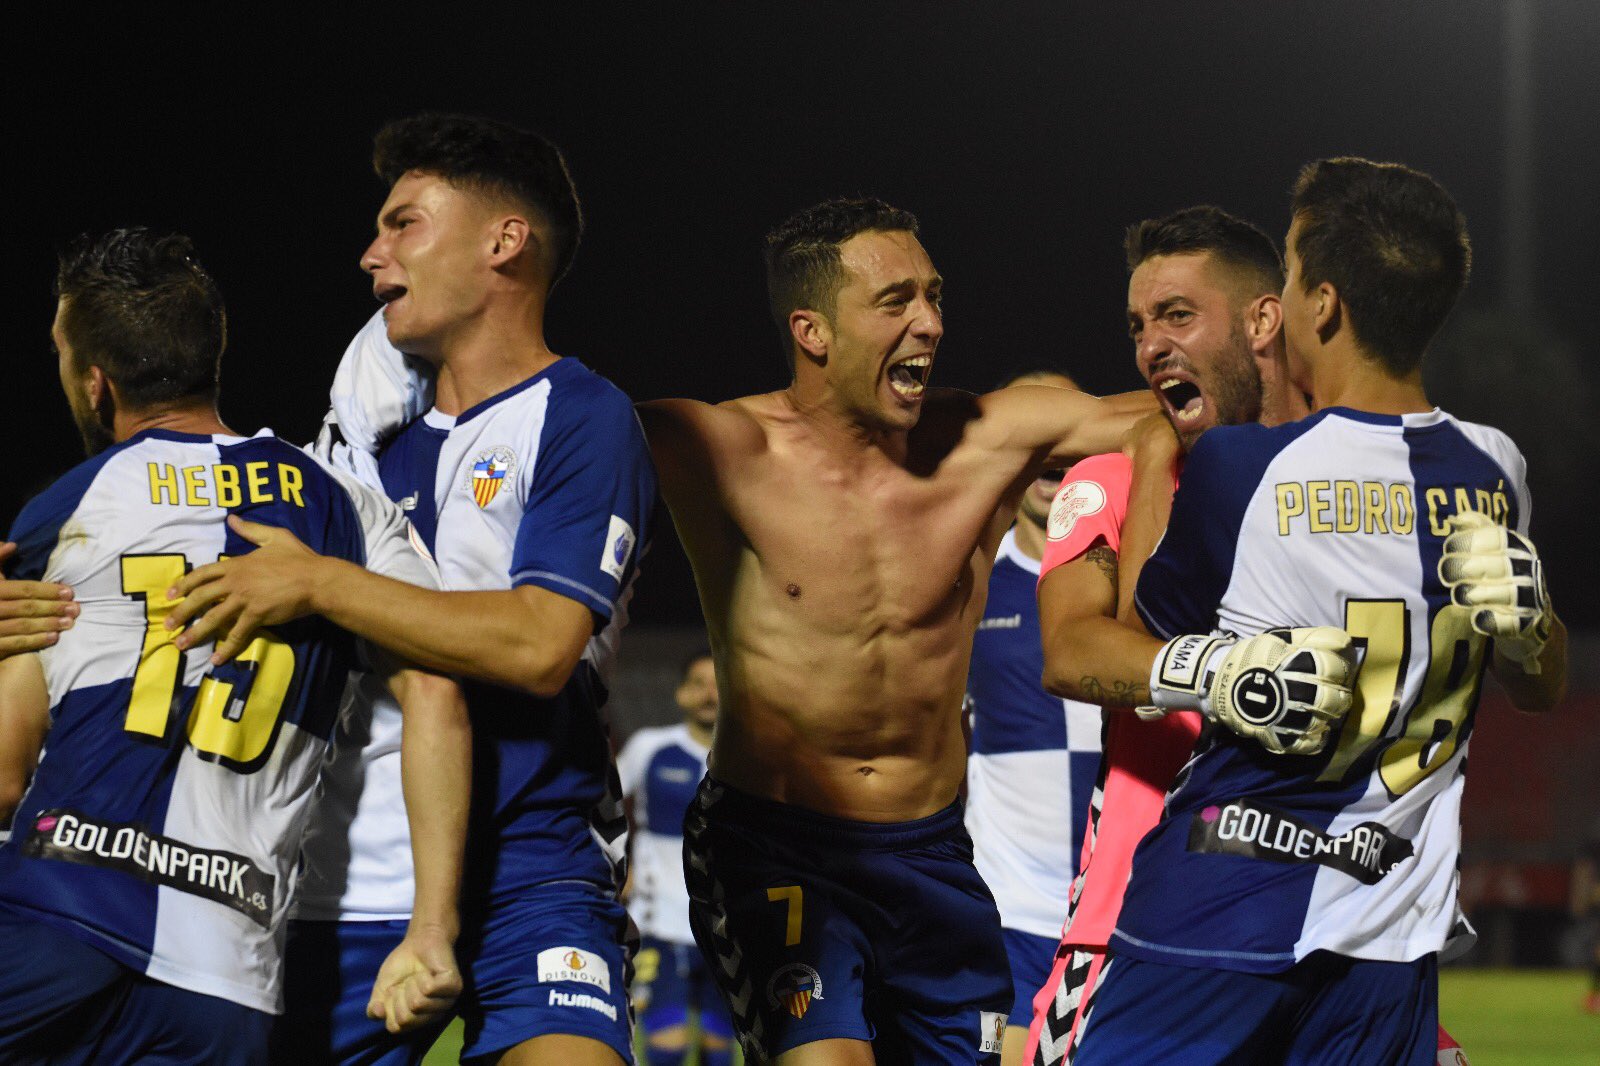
x=660, y=769
x=548, y=483
x=1336, y=520
x=1034, y=758
x=164, y=820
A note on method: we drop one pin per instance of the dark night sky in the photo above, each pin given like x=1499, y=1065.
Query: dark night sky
x=1025, y=136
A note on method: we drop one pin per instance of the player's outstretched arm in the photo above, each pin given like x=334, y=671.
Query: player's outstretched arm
x=1057, y=427
x=33, y=614
x=420, y=980
x=1495, y=573
x=24, y=721
x=527, y=638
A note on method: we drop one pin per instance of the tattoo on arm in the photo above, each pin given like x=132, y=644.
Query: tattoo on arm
x=1118, y=694
x=1106, y=560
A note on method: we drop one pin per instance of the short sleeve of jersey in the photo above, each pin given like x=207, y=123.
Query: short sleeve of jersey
x=631, y=762
x=1182, y=585
x=1089, y=508
x=393, y=547
x=589, y=504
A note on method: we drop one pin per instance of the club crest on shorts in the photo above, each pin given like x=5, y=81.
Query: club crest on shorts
x=489, y=471
x=1076, y=500
x=793, y=987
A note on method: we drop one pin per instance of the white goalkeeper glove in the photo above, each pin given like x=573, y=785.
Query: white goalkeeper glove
x=1285, y=689
x=1495, y=573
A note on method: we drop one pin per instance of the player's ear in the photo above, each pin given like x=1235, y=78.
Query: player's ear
x=1263, y=322
x=1327, y=310
x=811, y=333
x=512, y=236
x=97, y=387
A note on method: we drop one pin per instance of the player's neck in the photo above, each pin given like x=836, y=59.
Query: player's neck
x=833, y=425
x=698, y=733
x=200, y=419
x=1029, y=537
x=1348, y=377
x=489, y=353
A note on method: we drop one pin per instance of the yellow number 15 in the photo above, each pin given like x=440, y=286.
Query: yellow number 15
x=238, y=732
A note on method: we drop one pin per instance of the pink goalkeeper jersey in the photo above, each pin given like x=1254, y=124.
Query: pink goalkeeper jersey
x=1140, y=758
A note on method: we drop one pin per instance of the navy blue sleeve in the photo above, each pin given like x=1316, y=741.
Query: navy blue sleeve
x=1181, y=587
x=38, y=524
x=590, y=501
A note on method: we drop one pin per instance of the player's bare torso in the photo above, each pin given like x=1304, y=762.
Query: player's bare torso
x=842, y=583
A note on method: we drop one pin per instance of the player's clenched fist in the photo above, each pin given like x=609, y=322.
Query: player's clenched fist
x=417, y=984
x=1285, y=689
x=1495, y=573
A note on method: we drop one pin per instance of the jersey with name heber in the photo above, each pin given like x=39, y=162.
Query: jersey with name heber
x=164, y=820
x=1336, y=520
x=548, y=483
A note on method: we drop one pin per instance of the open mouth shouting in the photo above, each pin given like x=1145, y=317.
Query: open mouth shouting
x=1184, y=402
x=909, y=377
x=388, y=293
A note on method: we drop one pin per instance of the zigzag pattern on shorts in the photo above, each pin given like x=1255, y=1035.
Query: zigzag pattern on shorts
x=1056, y=1038
x=708, y=917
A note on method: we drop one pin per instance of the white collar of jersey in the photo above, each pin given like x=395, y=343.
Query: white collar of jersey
x=1009, y=550
x=686, y=739
x=438, y=419
x=1414, y=420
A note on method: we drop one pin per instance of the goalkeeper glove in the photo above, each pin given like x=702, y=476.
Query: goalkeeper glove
x=1495, y=573
x=1285, y=689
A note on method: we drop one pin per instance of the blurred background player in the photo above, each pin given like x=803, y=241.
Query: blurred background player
x=1204, y=315
x=1033, y=757
x=530, y=480
x=1331, y=880
x=660, y=769
x=145, y=889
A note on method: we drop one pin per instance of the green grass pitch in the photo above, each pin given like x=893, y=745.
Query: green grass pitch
x=1501, y=1018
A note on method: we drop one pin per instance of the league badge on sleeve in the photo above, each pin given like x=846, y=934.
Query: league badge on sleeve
x=619, y=548
x=489, y=471
x=1077, y=500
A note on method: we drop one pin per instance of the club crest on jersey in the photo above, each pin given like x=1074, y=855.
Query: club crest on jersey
x=1076, y=500
x=793, y=987
x=489, y=471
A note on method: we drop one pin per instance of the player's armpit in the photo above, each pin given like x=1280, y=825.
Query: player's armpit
x=24, y=721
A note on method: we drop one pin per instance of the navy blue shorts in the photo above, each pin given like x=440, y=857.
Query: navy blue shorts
x=1326, y=1010
x=556, y=961
x=669, y=981
x=818, y=928
x=328, y=972
x=1031, y=959
x=65, y=1003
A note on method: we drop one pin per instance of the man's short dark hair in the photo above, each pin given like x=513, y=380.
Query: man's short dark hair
x=1234, y=242
x=140, y=307
x=803, y=264
x=1393, y=244
x=491, y=157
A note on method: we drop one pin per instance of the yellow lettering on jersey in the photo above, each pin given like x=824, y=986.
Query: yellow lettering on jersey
x=1317, y=493
x=1373, y=513
x=1291, y=504
x=163, y=483
x=1402, y=512
x=227, y=483
x=289, y=484
x=1438, y=500
x=194, y=486
x=1346, y=507
x=256, y=475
